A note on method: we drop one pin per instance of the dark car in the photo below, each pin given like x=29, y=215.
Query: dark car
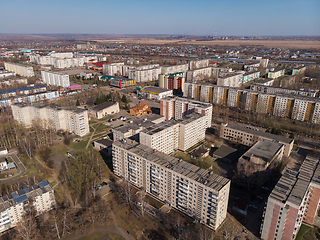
x=105, y=183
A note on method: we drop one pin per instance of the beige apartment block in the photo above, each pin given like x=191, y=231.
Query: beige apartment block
x=199, y=74
x=195, y=64
x=230, y=80
x=73, y=120
x=21, y=70
x=174, y=69
x=113, y=69
x=37, y=199
x=196, y=192
x=55, y=79
x=303, y=109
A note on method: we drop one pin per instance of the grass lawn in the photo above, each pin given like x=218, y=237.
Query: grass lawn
x=30, y=164
x=59, y=148
x=78, y=146
x=306, y=230
x=102, y=127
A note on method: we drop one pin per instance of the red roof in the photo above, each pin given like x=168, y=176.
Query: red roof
x=99, y=64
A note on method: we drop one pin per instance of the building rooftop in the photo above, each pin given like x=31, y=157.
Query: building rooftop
x=187, y=100
x=200, y=175
x=105, y=142
x=264, y=150
x=102, y=106
x=256, y=131
x=293, y=184
x=155, y=89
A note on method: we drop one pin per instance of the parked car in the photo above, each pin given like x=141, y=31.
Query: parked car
x=265, y=188
x=252, y=208
x=105, y=183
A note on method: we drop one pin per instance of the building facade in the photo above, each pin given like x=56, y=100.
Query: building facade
x=196, y=192
x=73, y=120
x=55, y=79
x=293, y=201
x=36, y=199
x=21, y=70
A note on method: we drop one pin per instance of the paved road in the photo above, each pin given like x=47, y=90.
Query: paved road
x=18, y=163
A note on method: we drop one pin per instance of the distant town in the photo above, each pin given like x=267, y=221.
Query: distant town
x=159, y=137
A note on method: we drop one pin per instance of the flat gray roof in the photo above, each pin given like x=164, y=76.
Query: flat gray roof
x=193, y=172
x=156, y=89
x=102, y=106
x=264, y=150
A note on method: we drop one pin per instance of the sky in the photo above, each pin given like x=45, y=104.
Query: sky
x=173, y=17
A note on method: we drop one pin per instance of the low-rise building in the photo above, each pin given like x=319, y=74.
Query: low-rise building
x=140, y=109
x=248, y=135
x=3, y=150
x=250, y=76
x=276, y=73
x=156, y=93
x=196, y=192
x=254, y=166
x=104, y=109
x=3, y=163
x=104, y=145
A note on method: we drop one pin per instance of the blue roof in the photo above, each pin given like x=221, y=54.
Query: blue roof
x=26, y=190
x=22, y=89
x=43, y=183
x=21, y=199
x=15, y=195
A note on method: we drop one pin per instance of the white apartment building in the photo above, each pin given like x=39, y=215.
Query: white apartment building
x=283, y=105
x=199, y=74
x=230, y=80
x=169, y=136
x=37, y=199
x=195, y=64
x=316, y=113
x=21, y=70
x=145, y=75
x=301, y=109
x=61, y=60
x=196, y=192
x=219, y=95
x=177, y=108
x=234, y=95
x=55, y=79
x=73, y=120
x=265, y=103
x=174, y=69
x=113, y=69
x=206, y=93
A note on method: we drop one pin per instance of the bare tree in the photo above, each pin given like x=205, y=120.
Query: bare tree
x=205, y=233
x=127, y=191
x=27, y=229
x=27, y=146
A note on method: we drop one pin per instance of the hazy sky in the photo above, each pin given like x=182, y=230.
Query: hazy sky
x=201, y=17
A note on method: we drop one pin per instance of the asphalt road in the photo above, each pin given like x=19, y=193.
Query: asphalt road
x=18, y=163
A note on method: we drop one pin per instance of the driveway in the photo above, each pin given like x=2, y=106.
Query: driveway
x=14, y=157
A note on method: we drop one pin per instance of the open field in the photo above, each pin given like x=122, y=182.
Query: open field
x=266, y=43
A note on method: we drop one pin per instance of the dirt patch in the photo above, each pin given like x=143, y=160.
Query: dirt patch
x=57, y=159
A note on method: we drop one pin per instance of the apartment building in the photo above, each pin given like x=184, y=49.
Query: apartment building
x=171, y=135
x=73, y=120
x=21, y=70
x=293, y=201
x=121, y=82
x=251, y=67
x=177, y=108
x=303, y=109
x=250, y=100
x=113, y=69
x=55, y=79
x=316, y=113
x=175, y=68
x=36, y=199
x=235, y=96
x=248, y=135
x=273, y=90
x=196, y=192
x=276, y=73
x=220, y=95
x=156, y=93
x=145, y=75
x=172, y=81
x=250, y=76
x=265, y=103
x=199, y=74
x=195, y=64
x=134, y=126
x=192, y=90
x=230, y=79
x=206, y=93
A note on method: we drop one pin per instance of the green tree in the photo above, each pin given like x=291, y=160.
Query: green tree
x=77, y=103
x=124, y=98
